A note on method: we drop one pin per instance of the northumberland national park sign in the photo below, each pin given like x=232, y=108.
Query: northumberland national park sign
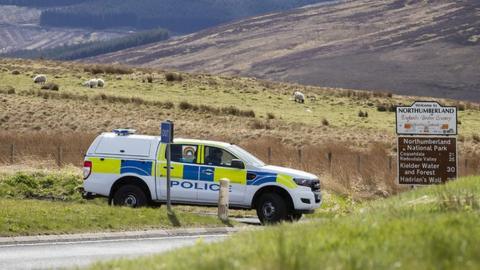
x=426, y=118
x=426, y=160
x=426, y=143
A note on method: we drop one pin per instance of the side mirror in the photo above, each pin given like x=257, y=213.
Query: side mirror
x=236, y=163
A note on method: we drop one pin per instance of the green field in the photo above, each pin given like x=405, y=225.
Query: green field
x=429, y=228
x=339, y=107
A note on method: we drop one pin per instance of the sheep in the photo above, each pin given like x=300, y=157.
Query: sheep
x=92, y=83
x=100, y=83
x=41, y=79
x=299, y=97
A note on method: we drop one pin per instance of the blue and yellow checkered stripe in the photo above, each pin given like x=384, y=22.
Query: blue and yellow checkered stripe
x=192, y=172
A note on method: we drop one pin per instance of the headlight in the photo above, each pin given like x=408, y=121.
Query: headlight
x=306, y=182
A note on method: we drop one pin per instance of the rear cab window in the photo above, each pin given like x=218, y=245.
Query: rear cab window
x=215, y=156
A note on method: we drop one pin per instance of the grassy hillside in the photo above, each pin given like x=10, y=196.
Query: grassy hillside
x=430, y=228
x=428, y=48
x=214, y=107
x=340, y=107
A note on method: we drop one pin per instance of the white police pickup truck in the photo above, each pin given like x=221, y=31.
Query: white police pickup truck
x=130, y=170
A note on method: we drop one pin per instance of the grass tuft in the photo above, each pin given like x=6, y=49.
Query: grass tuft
x=51, y=86
x=108, y=69
x=173, y=77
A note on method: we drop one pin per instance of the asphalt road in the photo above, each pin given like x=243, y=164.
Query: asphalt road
x=66, y=255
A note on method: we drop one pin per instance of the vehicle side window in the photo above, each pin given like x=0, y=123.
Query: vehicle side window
x=184, y=153
x=215, y=156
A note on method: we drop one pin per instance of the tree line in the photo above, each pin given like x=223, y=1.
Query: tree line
x=41, y=3
x=89, y=49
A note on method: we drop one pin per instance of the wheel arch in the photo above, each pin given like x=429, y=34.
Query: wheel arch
x=273, y=189
x=130, y=180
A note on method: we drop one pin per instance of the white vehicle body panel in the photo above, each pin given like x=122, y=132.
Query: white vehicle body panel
x=117, y=157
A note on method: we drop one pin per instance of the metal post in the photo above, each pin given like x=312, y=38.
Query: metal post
x=299, y=155
x=169, y=203
x=269, y=155
x=223, y=199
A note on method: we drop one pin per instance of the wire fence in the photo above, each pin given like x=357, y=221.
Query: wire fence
x=343, y=163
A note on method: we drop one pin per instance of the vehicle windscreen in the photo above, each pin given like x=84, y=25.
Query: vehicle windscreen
x=246, y=156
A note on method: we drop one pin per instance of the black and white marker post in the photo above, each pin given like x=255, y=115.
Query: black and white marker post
x=166, y=134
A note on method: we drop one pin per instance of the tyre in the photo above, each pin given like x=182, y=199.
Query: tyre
x=295, y=216
x=271, y=208
x=131, y=196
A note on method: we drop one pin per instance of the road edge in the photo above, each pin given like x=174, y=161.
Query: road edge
x=62, y=238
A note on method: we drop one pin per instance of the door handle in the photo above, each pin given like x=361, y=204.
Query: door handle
x=208, y=171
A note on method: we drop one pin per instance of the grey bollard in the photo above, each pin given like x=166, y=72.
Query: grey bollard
x=223, y=195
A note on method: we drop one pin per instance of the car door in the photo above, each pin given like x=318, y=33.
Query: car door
x=184, y=172
x=215, y=165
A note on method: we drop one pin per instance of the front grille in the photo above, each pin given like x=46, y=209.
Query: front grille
x=315, y=186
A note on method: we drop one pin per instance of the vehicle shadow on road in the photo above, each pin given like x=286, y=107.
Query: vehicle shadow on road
x=173, y=219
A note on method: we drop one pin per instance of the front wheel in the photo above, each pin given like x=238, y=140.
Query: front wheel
x=295, y=216
x=131, y=196
x=271, y=208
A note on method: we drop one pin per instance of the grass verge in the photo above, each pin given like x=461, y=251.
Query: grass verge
x=61, y=185
x=429, y=228
x=34, y=217
x=37, y=202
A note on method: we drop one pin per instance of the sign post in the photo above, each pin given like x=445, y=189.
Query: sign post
x=166, y=134
x=426, y=143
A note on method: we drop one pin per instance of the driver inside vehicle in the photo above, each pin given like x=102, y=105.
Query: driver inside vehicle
x=214, y=157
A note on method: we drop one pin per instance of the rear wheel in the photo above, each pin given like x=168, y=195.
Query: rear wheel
x=131, y=196
x=271, y=208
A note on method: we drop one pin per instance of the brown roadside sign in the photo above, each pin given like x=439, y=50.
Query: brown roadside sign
x=426, y=160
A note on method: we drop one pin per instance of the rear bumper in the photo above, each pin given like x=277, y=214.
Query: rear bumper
x=89, y=195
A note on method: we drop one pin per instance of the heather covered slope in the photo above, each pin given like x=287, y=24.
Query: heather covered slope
x=428, y=48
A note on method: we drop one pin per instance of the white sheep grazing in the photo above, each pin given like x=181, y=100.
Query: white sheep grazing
x=92, y=83
x=40, y=79
x=299, y=97
x=100, y=82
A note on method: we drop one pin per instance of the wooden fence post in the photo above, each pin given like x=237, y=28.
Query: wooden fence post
x=329, y=157
x=390, y=164
x=59, y=156
x=269, y=154
x=12, y=153
x=299, y=155
x=358, y=163
x=223, y=199
x=466, y=166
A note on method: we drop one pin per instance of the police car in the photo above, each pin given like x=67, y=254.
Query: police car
x=130, y=170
